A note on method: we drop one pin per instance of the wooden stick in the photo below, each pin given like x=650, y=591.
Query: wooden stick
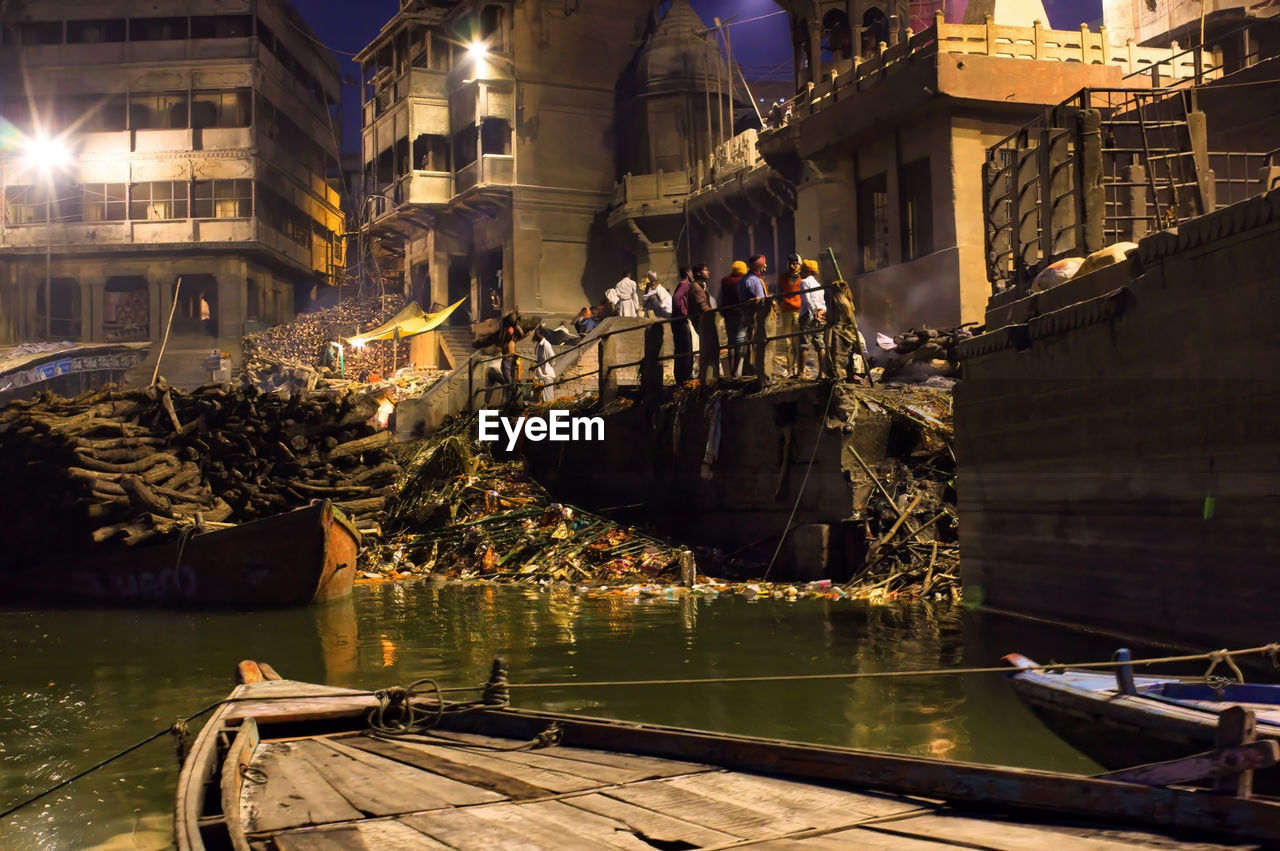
x=874, y=478
x=168, y=325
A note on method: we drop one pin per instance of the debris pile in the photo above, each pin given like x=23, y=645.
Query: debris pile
x=909, y=513
x=917, y=355
x=133, y=465
x=460, y=514
x=274, y=352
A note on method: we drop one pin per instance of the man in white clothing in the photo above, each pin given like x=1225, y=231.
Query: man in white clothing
x=657, y=299
x=543, y=371
x=813, y=318
x=628, y=303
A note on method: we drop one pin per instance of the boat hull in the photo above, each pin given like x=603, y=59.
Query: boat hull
x=290, y=559
x=1119, y=730
x=1118, y=440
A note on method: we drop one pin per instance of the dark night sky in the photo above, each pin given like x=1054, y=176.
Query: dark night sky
x=762, y=47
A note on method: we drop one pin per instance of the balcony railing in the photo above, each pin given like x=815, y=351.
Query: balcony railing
x=1167, y=66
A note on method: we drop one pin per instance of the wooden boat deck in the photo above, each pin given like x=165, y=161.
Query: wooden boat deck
x=466, y=792
x=455, y=789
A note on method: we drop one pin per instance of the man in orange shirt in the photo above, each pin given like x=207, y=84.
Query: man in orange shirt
x=789, y=310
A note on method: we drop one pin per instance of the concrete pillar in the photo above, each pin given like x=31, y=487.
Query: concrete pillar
x=607, y=355
x=97, y=285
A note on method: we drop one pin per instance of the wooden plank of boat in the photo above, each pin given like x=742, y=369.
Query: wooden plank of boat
x=339, y=786
x=291, y=559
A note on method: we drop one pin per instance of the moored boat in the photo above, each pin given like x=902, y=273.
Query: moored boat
x=285, y=764
x=1121, y=720
x=291, y=559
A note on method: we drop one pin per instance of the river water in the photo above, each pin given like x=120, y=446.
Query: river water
x=80, y=686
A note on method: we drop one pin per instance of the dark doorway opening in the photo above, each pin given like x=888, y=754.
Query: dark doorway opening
x=493, y=298
x=460, y=287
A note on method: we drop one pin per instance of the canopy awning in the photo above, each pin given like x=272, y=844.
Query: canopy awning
x=410, y=322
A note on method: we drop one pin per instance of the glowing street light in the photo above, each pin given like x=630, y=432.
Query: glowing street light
x=44, y=153
x=478, y=50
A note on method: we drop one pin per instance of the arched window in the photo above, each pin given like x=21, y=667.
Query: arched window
x=837, y=34
x=875, y=29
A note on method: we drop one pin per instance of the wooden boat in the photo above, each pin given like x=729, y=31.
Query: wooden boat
x=1120, y=720
x=291, y=765
x=303, y=556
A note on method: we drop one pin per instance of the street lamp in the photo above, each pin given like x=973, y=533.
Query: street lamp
x=44, y=154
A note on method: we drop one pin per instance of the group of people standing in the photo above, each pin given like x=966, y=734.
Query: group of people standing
x=800, y=313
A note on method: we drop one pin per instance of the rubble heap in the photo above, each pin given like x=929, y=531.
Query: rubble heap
x=460, y=514
x=273, y=356
x=133, y=465
x=909, y=513
x=916, y=355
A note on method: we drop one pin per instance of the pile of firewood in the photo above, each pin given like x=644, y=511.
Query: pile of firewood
x=132, y=465
x=909, y=515
x=301, y=343
x=918, y=354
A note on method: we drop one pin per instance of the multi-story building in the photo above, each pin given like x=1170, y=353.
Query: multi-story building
x=146, y=145
x=886, y=139
x=491, y=157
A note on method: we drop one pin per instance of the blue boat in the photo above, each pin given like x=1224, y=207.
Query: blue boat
x=1120, y=720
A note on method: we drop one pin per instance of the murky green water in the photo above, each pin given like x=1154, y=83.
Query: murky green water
x=80, y=686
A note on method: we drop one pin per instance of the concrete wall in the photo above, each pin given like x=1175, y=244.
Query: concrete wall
x=744, y=494
x=1108, y=477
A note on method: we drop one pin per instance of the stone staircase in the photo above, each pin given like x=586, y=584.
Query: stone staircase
x=455, y=342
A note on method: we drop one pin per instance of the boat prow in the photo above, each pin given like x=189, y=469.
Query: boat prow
x=1121, y=720
x=303, y=556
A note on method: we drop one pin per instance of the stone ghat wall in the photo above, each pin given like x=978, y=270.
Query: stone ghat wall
x=735, y=492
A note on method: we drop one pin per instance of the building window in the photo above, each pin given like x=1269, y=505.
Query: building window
x=221, y=26
x=464, y=146
x=163, y=111
x=157, y=29
x=223, y=199
x=431, y=153
x=491, y=28
x=96, y=32
x=221, y=109
x=495, y=136
x=40, y=32
x=915, y=189
x=23, y=205
x=165, y=199
x=92, y=113
x=873, y=222
x=104, y=202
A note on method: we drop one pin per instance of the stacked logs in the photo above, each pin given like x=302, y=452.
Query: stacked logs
x=918, y=354
x=130, y=466
x=301, y=343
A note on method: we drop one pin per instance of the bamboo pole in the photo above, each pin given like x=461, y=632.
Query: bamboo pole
x=177, y=287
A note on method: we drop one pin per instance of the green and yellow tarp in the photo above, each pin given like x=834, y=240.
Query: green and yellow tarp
x=410, y=322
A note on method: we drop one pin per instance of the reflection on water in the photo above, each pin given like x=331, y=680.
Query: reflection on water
x=80, y=686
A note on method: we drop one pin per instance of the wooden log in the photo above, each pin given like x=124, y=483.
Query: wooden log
x=385, y=470
x=377, y=440
x=328, y=490
x=139, y=466
x=362, y=506
x=143, y=498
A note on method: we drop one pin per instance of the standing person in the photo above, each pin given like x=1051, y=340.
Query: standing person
x=842, y=333
x=628, y=294
x=789, y=302
x=511, y=335
x=758, y=310
x=543, y=371
x=656, y=300
x=813, y=316
x=701, y=304
x=680, y=336
x=734, y=328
